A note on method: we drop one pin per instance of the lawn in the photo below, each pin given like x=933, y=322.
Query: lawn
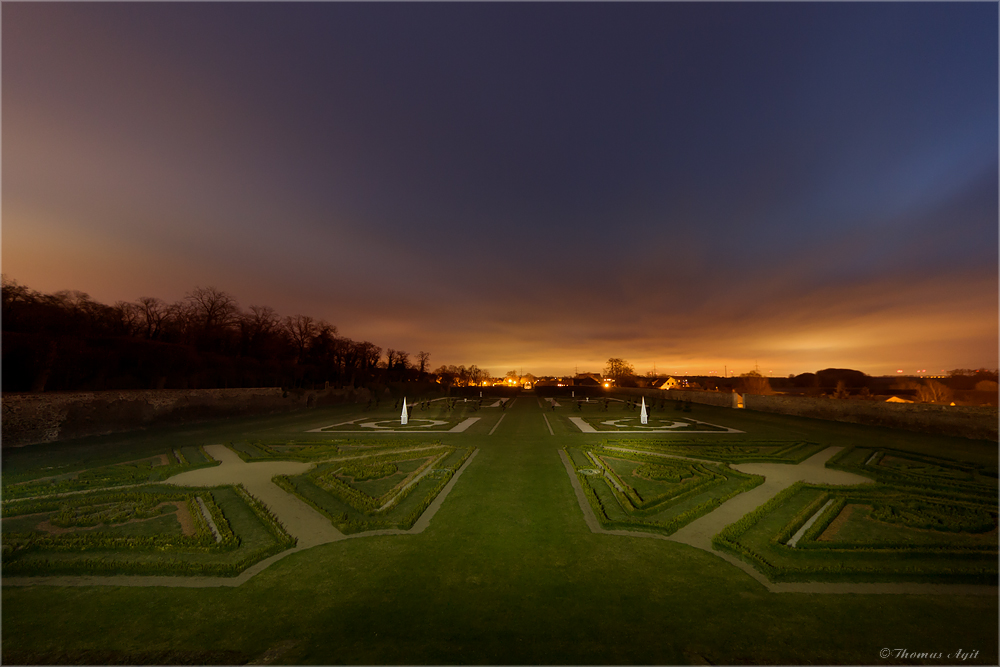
x=507, y=571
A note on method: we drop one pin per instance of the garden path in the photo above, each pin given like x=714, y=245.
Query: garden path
x=214, y=582
x=777, y=478
x=699, y=532
x=301, y=521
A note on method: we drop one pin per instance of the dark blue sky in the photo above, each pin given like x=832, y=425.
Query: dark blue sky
x=546, y=185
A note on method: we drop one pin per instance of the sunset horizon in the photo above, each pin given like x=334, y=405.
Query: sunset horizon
x=698, y=187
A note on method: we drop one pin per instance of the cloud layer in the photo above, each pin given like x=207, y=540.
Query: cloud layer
x=546, y=186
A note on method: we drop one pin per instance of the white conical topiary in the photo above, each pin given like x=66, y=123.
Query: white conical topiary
x=643, y=417
x=403, y=418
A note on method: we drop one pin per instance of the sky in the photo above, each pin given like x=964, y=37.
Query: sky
x=698, y=188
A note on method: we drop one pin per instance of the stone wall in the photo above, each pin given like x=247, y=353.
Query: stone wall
x=723, y=399
x=30, y=419
x=962, y=421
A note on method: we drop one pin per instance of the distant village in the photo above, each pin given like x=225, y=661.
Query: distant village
x=958, y=387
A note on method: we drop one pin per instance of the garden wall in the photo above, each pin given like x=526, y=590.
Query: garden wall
x=30, y=419
x=962, y=421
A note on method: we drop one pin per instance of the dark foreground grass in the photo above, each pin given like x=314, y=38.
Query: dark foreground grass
x=507, y=573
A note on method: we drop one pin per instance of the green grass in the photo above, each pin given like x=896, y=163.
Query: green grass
x=907, y=468
x=743, y=452
x=171, y=553
x=120, y=474
x=684, y=491
x=389, y=501
x=506, y=573
x=883, y=552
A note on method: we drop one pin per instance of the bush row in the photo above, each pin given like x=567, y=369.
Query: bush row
x=802, y=517
x=201, y=541
x=633, y=502
x=665, y=526
x=130, y=506
x=360, y=472
x=100, y=478
x=286, y=483
x=312, y=450
x=227, y=538
x=820, y=560
x=432, y=487
x=749, y=452
x=168, y=567
x=595, y=503
x=728, y=539
x=328, y=481
x=899, y=477
x=270, y=521
x=941, y=515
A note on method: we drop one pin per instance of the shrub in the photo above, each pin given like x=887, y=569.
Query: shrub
x=360, y=472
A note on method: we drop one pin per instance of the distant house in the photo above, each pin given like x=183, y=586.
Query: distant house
x=585, y=381
x=668, y=383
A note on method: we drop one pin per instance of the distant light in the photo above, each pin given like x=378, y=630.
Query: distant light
x=607, y=384
x=899, y=371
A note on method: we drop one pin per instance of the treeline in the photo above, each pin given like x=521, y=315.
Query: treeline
x=67, y=341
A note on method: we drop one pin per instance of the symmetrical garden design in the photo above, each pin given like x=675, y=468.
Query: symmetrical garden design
x=630, y=489
x=415, y=424
x=371, y=487
x=896, y=467
x=880, y=533
x=658, y=424
x=926, y=519
x=117, y=519
x=150, y=529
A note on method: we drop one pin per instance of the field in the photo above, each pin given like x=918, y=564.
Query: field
x=519, y=539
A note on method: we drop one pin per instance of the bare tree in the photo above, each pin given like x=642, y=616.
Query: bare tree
x=755, y=383
x=619, y=370
x=128, y=317
x=14, y=292
x=402, y=360
x=153, y=312
x=422, y=359
x=211, y=308
x=932, y=391
x=258, y=326
x=300, y=330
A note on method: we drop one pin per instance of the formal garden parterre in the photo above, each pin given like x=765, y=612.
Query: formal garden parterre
x=147, y=530
x=871, y=534
x=635, y=490
x=370, y=488
x=505, y=572
x=155, y=468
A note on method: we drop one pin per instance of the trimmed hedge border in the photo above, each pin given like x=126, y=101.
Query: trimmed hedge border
x=711, y=451
x=672, y=524
x=345, y=524
x=889, y=477
x=728, y=541
x=172, y=566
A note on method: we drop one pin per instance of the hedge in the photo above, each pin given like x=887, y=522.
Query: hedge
x=673, y=523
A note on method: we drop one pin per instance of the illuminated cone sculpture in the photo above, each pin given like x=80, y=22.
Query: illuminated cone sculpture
x=403, y=418
x=643, y=417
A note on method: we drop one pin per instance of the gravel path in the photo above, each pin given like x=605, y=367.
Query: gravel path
x=300, y=520
x=699, y=532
